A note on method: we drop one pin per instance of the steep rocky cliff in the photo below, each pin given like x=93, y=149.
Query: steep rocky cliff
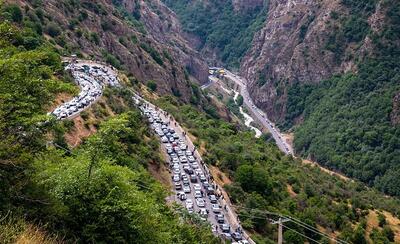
x=166, y=29
x=143, y=37
x=298, y=44
x=247, y=5
x=221, y=30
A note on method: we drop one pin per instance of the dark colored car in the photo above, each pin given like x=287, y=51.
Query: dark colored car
x=193, y=179
x=225, y=228
x=178, y=186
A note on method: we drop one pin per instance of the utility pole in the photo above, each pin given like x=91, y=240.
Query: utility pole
x=280, y=228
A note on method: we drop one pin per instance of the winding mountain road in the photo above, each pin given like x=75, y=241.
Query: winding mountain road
x=92, y=78
x=257, y=114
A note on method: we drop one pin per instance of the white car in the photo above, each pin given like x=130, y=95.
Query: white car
x=164, y=139
x=188, y=203
x=183, y=159
x=188, y=153
x=197, y=194
x=186, y=189
x=191, y=159
x=200, y=202
x=176, y=178
x=197, y=187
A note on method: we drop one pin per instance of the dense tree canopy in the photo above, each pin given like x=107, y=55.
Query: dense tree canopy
x=27, y=85
x=103, y=193
x=100, y=192
x=347, y=119
x=265, y=179
x=219, y=26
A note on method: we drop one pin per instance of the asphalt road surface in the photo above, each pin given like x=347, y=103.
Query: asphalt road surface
x=211, y=80
x=91, y=78
x=225, y=208
x=259, y=115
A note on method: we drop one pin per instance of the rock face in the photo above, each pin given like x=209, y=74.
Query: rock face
x=245, y=5
x=291, y=48
x=164, y=27
x=144, y=36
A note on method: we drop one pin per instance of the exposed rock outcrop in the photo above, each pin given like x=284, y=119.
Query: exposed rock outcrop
x=149, y=46
x=245, y=5
x=163, y=25
x=291, y=47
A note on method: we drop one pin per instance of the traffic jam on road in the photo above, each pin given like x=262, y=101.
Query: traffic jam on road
x=91, y=78
x=194, y=188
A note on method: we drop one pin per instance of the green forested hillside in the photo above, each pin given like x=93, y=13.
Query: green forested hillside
x=347, y=123
x=262, y=175
x=98, y=192
x=103, y=192
x=27, y=85
x=217, y=25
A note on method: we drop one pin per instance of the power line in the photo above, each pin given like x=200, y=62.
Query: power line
x=308, y=227
x=63, y=148
x=301, y=234
x=258, y=217
x=302, y=224
x=264, y=211
x=295, y=221
x=138, y=182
